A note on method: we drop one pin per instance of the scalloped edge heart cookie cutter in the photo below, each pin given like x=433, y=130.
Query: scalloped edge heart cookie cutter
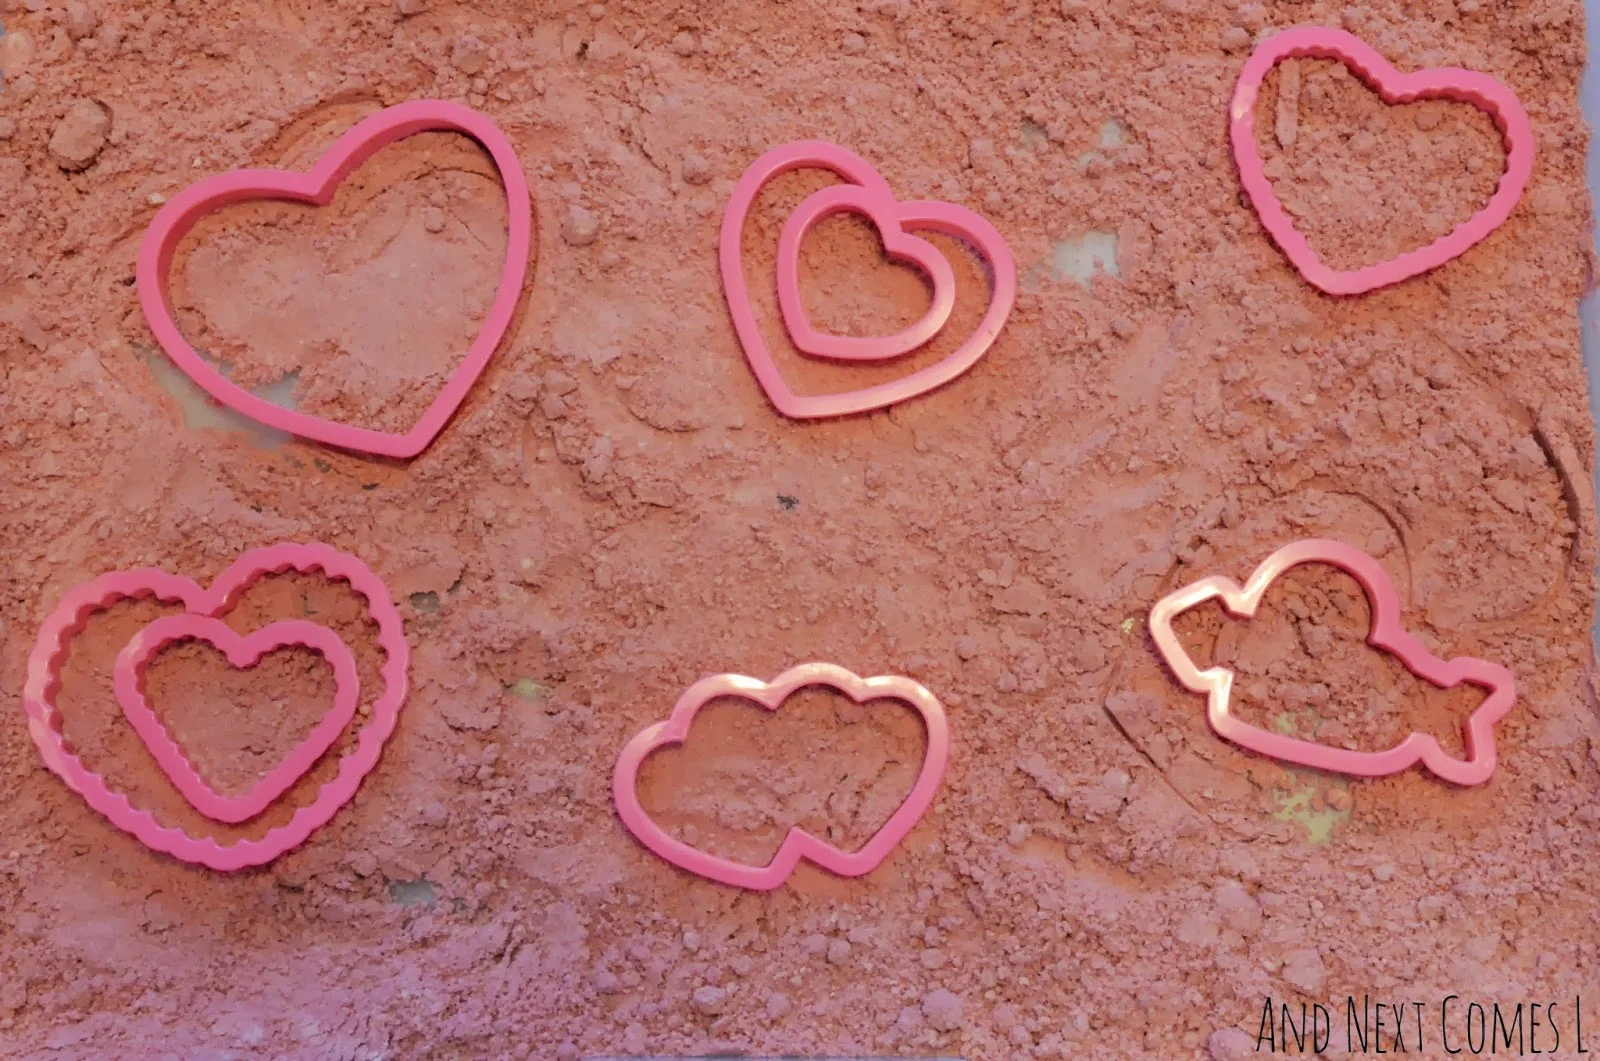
x=797, y=844
x=866, y=193
x=317, y=187
x=1448, y=83
x=72, y=614
x=241, y=651
x=1385, y=633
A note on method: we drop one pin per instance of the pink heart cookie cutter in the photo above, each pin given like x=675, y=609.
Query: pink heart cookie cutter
x=869, y=194
x=317, y=187
x=897, y=243
x=1385, y=634
x=1448, y=83
x=71, y=615
x=241, y=651
x=798, y=844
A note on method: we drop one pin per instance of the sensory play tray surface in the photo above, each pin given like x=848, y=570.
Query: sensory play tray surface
x=977, y=529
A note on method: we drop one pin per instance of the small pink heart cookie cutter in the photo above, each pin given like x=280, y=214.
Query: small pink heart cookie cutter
x=1450, y=83
x=72, y=614
x=869, y=194
x=241, y=651
x=900, y=246
x=317, y=187
x=1385, y=634
x=798, y=844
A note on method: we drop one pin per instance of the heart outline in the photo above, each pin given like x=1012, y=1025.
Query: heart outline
x=1385, y=633
x=797, y=843
x=1394, y=87
x=898, y=244
x=944, y=218
x=72, y=613
x=242, y=652
x=317, y=187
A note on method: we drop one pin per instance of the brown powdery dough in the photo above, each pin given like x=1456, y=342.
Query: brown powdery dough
x=617, y=511
x=81, y=136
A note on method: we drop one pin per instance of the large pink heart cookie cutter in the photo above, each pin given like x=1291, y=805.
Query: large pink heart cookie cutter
x=73, y=612
x=317, y=187
x=798, y=844
x=869, y=194
x=241, y=651
x=1450, y=83
x=1385, y=634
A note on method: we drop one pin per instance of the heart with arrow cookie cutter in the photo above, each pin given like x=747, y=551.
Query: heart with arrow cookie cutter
x=1385, y=634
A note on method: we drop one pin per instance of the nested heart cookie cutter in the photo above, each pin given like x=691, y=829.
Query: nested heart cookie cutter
x=317, y=187
x=72, y=614
x=1449, y=83
x=798, y=844
x=869, y=194
x=1385, y=634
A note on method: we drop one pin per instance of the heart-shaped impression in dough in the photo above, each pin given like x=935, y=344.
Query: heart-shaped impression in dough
x=241, y=651
x=317, y=187
x=869, y=194
x=798, y=844
x=1385, y=634
x=73, y=612
x=1447, y=83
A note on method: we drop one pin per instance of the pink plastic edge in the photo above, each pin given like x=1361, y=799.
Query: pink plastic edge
x=1452, y=83
x=945, y=218
x=246, y=651
x=1386, y=634
x=798, y=844
x=72, y=613
x=317, y=187
x=898, y=244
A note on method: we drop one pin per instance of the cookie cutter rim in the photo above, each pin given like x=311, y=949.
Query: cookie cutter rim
x=877, y=205
x=944, y=218
x=1385, y=633
x=71, y=615
x=1449, y=83
x=317, y=186
x=242, y=651
x=797, y=843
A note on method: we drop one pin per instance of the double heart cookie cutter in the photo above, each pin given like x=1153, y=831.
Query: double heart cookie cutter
x=201, y=621
x=868, y=194
x=797, y=844
x=1448, y=83
x=317, y=187
x=1385, y=633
